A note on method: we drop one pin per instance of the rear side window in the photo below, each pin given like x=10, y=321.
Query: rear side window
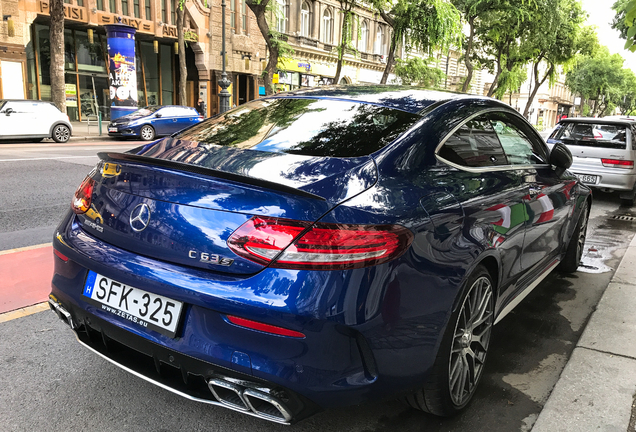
x=312, y=127
x=475, y=144
x=592, y=135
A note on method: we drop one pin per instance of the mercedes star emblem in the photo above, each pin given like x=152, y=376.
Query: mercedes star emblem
x=140, y=217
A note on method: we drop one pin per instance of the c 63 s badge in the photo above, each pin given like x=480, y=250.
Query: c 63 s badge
x=209, y=258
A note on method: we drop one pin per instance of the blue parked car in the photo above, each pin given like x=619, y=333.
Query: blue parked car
x=319, y=248
x=154, y=121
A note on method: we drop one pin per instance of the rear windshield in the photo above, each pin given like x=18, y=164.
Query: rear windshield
x=312, y=127
x=591, y=135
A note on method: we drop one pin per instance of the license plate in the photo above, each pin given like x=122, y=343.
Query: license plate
x=588, y=179
x=112, y=129
x=141, y=307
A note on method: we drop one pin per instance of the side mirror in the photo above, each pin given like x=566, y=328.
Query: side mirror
x=561, y=158
x=8, y=111
x=158, y=115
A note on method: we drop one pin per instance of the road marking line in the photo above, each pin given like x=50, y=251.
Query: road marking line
x=25, y=311
x=26, y=248
x=51, y=158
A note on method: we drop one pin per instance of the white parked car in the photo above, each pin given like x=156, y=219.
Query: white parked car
x=33, y=120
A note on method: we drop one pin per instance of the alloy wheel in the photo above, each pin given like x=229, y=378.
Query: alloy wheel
x=582, y=235
x=470, y=341
x=61, y=134
x=147, y=133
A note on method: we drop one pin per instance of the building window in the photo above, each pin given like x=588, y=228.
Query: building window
x=148, y=12
x=304, y=19
x=112, y=6
x=124, y=7
x=80, y=3
x=364, y=37
x=243, y=17
x=136, y=8
x=327, y=26
x=281, y=16
x=100, y=5
x=164, y=13
x=379, y=41
x=233, y=15
x=173, y=9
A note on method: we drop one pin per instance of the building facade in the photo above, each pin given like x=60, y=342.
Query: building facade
x=25, y=52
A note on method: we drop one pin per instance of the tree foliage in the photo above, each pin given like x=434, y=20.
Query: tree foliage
x=423, y=25
x=600, y=79
x=417, y=71
x=625, y=21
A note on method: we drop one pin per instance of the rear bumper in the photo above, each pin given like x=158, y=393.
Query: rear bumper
x=334, y=365
x=609, y=178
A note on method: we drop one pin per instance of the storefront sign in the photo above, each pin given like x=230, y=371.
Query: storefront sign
x=71, y=12
x=136, y=23
x=71, y=94
x=123, y=77
x=305, y=66
x=170, y=31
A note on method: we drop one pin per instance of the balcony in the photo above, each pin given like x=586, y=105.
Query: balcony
x=302, y=40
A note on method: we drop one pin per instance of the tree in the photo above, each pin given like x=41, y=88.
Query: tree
x=624, y=22
x=417, y=71
x=58, y=88
x=598, y=78
x=554, y=41
x=183, y=71
x=346, y=34
x=627, y=103
x=276, y=46
x=473, y=11
x=422, y=24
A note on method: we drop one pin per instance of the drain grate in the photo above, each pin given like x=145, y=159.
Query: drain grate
x=625, y=218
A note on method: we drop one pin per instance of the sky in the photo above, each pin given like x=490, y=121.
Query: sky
x=601, y=15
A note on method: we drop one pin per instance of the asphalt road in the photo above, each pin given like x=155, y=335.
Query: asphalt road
x=48, y=382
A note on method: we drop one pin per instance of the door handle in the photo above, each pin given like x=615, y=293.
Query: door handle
x=534, y=191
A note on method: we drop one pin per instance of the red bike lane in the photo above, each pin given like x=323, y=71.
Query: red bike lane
x=25, y=276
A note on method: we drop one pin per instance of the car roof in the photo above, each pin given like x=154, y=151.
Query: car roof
x=594, y=120
x=404, y=98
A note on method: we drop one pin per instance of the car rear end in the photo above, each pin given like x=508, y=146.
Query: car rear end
x=603, y=152
x=215, y=273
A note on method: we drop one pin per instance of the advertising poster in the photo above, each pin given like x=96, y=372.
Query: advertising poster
x=122, y=78
x=71, y=95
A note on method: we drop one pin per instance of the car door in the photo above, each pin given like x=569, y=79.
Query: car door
x=549, y=201
x=489, y=190
x=180, y=119
x=15, y=120
x=162, y=121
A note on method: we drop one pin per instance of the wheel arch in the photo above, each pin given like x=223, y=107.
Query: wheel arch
x=58, y=123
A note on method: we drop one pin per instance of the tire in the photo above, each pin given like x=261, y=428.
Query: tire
x=147, y=133
x=61, y=133
x=627, y=202
x=461, y=358
x=574, y=252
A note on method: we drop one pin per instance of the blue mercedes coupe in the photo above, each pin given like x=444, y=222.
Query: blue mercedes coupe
x=154, y=121
x=319, y=248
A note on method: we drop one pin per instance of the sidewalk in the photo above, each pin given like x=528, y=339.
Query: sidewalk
x=82, y=131
x=597, y=387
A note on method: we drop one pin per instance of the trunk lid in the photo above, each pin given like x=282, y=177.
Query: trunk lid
x=179, y=202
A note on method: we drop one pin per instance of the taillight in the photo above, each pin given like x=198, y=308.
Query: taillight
x=83, y=195
x=291, y=244
x=262, y=327
x=617, y=163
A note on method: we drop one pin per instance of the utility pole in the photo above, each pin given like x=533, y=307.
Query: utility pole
x=224, y=83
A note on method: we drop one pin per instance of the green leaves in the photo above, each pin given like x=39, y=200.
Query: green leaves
x=418, y=72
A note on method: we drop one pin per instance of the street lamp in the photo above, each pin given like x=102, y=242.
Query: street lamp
x=224, y=83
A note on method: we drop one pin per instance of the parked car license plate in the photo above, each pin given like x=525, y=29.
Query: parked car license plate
x=112, y=129
x=146, y=309
x=587, y=179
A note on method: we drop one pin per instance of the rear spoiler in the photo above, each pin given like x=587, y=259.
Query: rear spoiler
x=209, y=172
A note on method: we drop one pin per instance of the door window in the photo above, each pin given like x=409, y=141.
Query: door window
x=517, y=143
x=475, y=144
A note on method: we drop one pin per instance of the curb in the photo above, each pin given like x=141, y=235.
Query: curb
x=596, y=388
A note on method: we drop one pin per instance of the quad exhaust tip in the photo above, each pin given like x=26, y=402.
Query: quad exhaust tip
x=62, y=313
x=259, y=402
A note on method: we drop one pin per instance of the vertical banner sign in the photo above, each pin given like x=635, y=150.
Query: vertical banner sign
x=123, y=76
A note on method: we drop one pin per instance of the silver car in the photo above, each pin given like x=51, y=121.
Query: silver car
x=603, y=151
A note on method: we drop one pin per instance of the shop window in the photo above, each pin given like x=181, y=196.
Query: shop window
x=124, y=7
x=90, y=56
x=364, y=36
x=43, y=51
x=141, y=96
x=148, y=12
x=69, y=50
x=167, y=86
x=32, y=77
x=327, y=26
x=150, y=62
x=136, y=8
x=304, y=19
x=70, y=88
